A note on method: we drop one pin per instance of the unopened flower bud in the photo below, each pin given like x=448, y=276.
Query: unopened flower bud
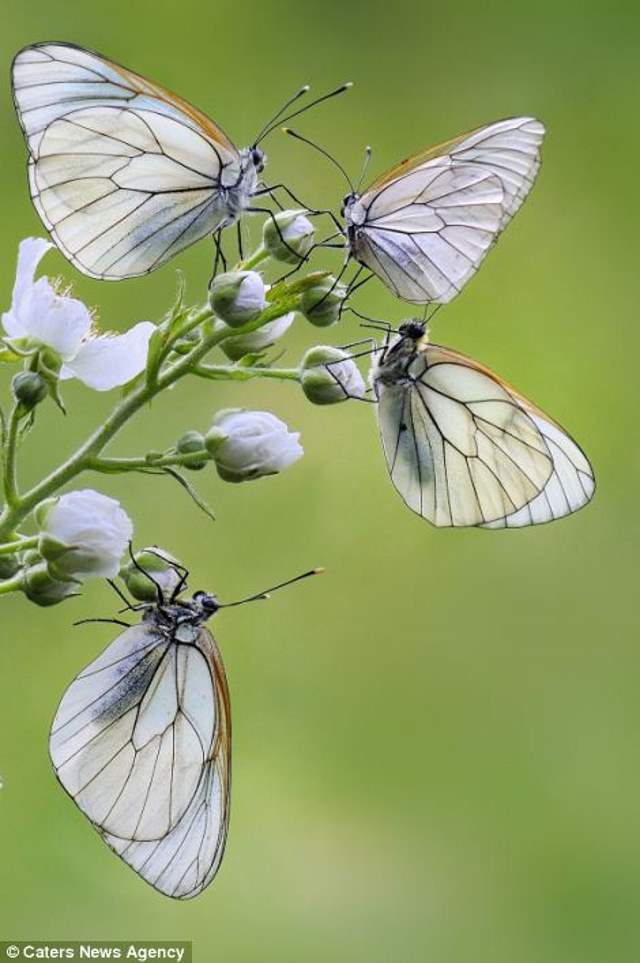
x=292, y=239
x=237, y=296
x=256, y=341
x=43, y=589
x=84, y=534
x=29, y=388
x=328, y=375
x=321, y=304
x=31, y=557
x=9, y=565
x=249, y=444
x=191, y=443
x=154, y=568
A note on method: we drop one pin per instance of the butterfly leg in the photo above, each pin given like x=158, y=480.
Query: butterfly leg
x=240, y=244
x=267, y=190
x=182, y=571
x=336, y=377
x=270, y=190
x=121, y=595
x=127, y=625
x=265, y=210
x=159, y=592
x=219, y=258
x=336, y=282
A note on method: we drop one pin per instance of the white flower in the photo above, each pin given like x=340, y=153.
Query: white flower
x=249, y=444
x=107, y=361
x=292, y=239
x=264, y=337
x=237, y=296
x=40, y=316
x=83, y=534
x=329, y=375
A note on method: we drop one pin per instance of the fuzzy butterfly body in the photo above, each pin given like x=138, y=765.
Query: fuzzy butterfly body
x=464, y=448
x=123, y=173
x=141, y=741
x=425, y=226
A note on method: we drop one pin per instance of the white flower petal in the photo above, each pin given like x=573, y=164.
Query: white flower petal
x=264, y=337
x=108, y=361
x=37, y=312
x=57, y=321
x=30, y=253
x=96, y=530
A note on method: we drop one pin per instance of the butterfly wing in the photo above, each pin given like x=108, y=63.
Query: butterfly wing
x=571, y=484
x=123, y=173
x=463, y=448
x=185, y=861
x=425, y=226
x=141, y=740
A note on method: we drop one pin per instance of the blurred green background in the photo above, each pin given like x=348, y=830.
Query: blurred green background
x=436, y=745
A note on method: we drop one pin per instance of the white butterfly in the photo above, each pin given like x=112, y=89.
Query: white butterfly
x=464, y=448
x=124, y=173
x=141, y=741
x=425, y=226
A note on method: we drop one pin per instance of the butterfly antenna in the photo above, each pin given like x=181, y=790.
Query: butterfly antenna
x=267, y=593
x=365, y=164
x=301, y=110
x=382, y=328
x=321, y=150
x=299, y=93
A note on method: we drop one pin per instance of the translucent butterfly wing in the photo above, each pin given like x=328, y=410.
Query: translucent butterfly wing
x=184, y=862
x=571, y=484
x=123, y=173
x=465, y=449
x=141, y=742
x=425, y=226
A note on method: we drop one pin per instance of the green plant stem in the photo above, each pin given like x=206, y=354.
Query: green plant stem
x=9, y=480
x=258, y=256
x=17, y=508
x=222, y=372
x=11, y=585
x=115, y=466
x=18, y=545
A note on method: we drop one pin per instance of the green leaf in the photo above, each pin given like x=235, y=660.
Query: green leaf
x=250, y=360
x=51, y=380
x=188, y=487
x=7, y=356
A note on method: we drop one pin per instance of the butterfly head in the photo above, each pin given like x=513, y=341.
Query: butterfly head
x=347, y=202
x=414, y=330
x=258, y=159
x=253, y=159
x=204, y=605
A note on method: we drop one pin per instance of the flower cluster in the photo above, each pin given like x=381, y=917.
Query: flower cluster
x=54, y=337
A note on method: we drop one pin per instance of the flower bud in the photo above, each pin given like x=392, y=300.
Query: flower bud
x=249, y=444
x=256, y=341
x=161, y=569
x=292, y=239
x=321, y=303
x=326, y=383
x=43, y=589
x=237, y=296
x=84, y=534
x=29, y=388
x=191, y=443
x=9, y=565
